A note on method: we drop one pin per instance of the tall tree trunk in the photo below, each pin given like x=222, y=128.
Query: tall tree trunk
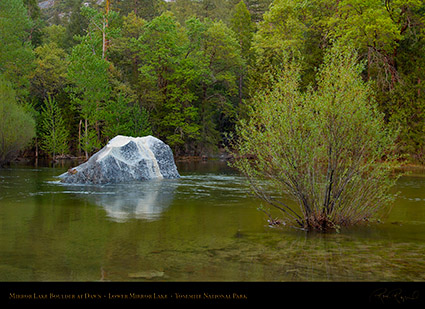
x=240, y=89
x=369, y=57
x=104, y=40
x=36, y=147
x=86, y=134
x=105, y=26
x=135, y=7
x=79, y=138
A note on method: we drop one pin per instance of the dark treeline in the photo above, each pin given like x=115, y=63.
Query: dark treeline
x=74, y=73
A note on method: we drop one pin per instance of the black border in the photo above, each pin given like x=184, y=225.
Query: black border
x=215, y=293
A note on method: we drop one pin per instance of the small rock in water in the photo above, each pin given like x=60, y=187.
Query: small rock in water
x=149, y=274
x=126, y=159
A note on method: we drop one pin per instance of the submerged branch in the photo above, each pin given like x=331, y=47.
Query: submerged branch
x=260, y=193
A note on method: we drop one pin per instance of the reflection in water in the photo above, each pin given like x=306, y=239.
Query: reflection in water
x=137, y=200
x=202, y=227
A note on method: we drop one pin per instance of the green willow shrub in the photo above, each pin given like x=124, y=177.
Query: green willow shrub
x=17, y=127
x=326, y=149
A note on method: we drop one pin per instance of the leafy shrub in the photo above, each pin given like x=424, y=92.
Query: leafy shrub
x=326, y=149
x=17, y=127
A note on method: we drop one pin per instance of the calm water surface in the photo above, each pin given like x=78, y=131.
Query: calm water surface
x=202, y=227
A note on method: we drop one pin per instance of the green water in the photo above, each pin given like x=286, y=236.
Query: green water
x=202, y=227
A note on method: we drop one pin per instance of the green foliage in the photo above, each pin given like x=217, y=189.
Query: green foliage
x=219, y=89
x=76, y=24
x=290, y=28
x=37, y=24
x=55, y=34
x=123, y=117
x=257, y=8
x=185, y=9
x=17, y=127
x=326, y=149
x=188, y=69
x=166, y=75
x=54, y=134
x=145, y=9
x=241, y=23
x=49, y=75
x=215, y=9
x=186, y=77
x=376, y=28
x=365, y=23
x=90, y=89
x=390, y=35
x=405, y=106
x=123, y=55
x=15, y=50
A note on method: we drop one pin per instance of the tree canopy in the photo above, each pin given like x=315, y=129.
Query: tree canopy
x=187, y=71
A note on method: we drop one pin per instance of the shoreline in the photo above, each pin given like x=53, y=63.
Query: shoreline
x=75, y=160
x=220, y=156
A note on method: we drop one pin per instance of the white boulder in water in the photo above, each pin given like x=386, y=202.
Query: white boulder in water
x=126, y=159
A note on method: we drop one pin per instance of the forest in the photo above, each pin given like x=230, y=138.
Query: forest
x=74, y=73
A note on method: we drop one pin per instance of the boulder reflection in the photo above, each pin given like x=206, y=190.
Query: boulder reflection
x=145, y=200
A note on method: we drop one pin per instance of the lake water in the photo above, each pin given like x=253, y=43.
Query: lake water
x=202, y=227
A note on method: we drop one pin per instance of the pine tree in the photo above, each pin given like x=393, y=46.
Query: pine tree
x=54, y=135
x=123, y=117
x=241, y=23
x=89, y=91
x=16, y=55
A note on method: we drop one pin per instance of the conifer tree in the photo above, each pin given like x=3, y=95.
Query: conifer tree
x=241, y=23
x=16, y=55
x=54, y=134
